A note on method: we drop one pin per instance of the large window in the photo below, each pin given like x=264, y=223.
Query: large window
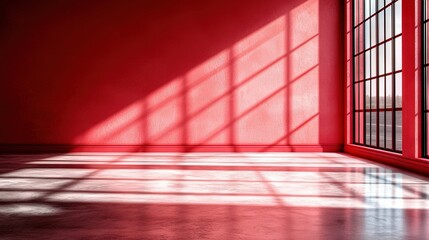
x=377, y=84
x=425, y=57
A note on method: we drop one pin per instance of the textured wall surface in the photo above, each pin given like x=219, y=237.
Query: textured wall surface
x=264, y=74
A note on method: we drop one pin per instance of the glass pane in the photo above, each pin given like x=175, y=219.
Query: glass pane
x=373, y=31
x=356, y=95
x=381, y=131
x=367, y=7
x=367, y=64
x=367, y=95
x=398, y=90
x=398, y=53
x=361, y=10
x=373, y=129
x=356, y=46
x=427, y=39
x=373, y=62
x=373, y=7
x=356, y=66
x=381, y=26
x=356, y=12
x=398, y=130
x=367, y=127
x=389, y=57
x=367, y=34
x=389, y=91
x=361, y=95
x=360, y=40
x=381, y=60
x=373, y=94
x=356, y=130
x=398, y=17
x=427, y=130
x=427, y=86
x=388, y=22
x=361, y=134
x=381, y=97
x=389, y=129
x=361, y=67
x=380, y=4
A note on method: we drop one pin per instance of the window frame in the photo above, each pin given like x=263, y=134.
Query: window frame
x=425, y=77
x=362, y=18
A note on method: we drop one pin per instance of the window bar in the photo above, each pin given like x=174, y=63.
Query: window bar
x=364, y=72
x=425, y=80
x=393, y=79
x=377, y=99
x=352, y=32
x=385, y=80
x=369, y=79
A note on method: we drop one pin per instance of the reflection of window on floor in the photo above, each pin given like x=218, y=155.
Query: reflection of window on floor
x=425, y=56
x=377, y=83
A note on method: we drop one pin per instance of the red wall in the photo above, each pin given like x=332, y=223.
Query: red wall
x=191, y=75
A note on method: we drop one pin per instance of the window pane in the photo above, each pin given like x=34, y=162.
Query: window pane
x=356, y=12
x=389, y=143
x=373, y=129
x=388, y=22
x=398, y=90
x=398, y=130
x=367, y=94
x=398, y=53
x=367, y=4
x=361, y=66
x=398, y=17
x=373, y=31
x=360, y=39
x=426, y=40
x=427, y=87
x=381, y=131
x=367, y=33
x=389, y=91
x=360, y=10
x=373, y=62
x=356, y=95
x=368, y=127
x=380, y=4
x=356, y=130
x=381, y=97
x=389, y=57
x=361, y=96
x=381, y=26
x=381, y=60
x=373, y=94
x=373, y=7
x=361, y=133
x=367, y=64
x=427, y=130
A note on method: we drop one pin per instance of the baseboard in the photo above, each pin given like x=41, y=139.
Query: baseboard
x=51, y=148
x=420, y=166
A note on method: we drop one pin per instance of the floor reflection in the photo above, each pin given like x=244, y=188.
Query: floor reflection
x=209, y=196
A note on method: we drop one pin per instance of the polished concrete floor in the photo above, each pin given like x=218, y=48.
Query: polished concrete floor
x=209, y=196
